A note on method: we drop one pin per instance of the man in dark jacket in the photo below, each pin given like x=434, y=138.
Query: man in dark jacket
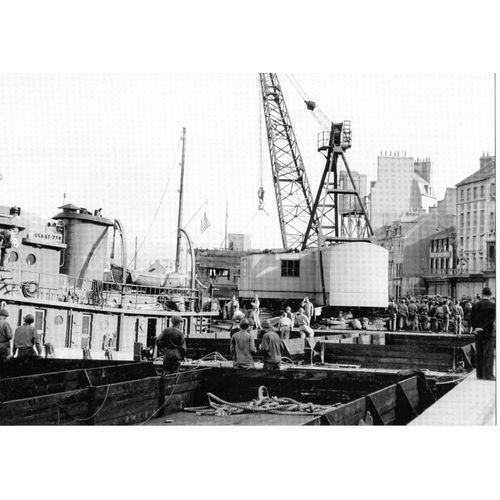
x=172, y=341
x=26, y=339
x=243, y=347
x=483, y=321
x=5, y=335
x=271, y=347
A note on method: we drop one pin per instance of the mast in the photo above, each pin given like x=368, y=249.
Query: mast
x=225, y=231
x=135, y=254
x=179, y=219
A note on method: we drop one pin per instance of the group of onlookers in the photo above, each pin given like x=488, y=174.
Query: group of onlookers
x=431, y=313
x=288, y=320
x=438, y=314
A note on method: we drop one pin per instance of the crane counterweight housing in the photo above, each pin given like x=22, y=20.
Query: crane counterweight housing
x=355, y=275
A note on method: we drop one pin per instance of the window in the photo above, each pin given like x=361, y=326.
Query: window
x=492, y=191
x=492, y=220
x=40, y=320
x=482, y=190
x=468, y=219
x=290, y=268
x=481, y=218
x=30, y=259
x=468, y=194
x=14, y=256
x=474, y=192
x=491, y=251
x=462, y=241
x=461, y=195
x=462, y=220
x=86, y=330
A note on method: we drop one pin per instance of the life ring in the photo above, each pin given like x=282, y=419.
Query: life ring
x=29, y=288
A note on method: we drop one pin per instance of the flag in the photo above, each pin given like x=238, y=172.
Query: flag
x=205, y=223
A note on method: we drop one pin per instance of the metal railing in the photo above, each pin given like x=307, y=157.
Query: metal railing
x=62, y=288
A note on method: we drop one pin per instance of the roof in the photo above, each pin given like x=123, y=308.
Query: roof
x=69, y=206
x=480, y=175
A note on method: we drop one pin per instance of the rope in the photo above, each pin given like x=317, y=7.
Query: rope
x=178, y=375
x=263, y=404
x=195, y=214
x=97, y=411
x=217, y=357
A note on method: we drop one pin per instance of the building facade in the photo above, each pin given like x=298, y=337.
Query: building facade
x=409, y=241
x=476, y=231
x=403, y=185
x=442, y=263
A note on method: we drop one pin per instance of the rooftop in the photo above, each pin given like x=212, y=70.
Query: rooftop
x=480, y=175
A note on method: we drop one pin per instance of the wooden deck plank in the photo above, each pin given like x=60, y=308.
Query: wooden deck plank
x=187, y=418
x=472, y=402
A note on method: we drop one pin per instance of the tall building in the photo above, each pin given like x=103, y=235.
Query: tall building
x=476, y=235
x=409, y=241
x=403, y=186
x=349, y=203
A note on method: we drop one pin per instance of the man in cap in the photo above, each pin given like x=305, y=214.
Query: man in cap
x=243, y=346
x=5, y=336
x=26, y=339
x=483, y=321
x=303, y=324
x=172, y=341
x=271, y=347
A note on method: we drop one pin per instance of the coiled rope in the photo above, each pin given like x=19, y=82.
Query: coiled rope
x=263, y=404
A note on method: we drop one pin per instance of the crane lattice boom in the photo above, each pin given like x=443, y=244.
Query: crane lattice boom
x=293, y=193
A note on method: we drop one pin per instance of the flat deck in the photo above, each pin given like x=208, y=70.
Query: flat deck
x=472, y=402
x=187, y=418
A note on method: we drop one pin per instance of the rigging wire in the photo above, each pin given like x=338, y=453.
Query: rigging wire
x=205, y=203
x=315, y=110
x=175, y=164
x=260, y=192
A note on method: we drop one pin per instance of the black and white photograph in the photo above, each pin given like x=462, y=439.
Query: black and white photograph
x=208, y=271
x=285, y=267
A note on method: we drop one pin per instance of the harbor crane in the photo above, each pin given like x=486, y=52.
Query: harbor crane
x=337, y=213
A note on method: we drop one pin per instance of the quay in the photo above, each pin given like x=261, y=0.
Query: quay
x=471, y=402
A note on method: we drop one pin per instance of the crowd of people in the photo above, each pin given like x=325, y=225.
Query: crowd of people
x=431, y=314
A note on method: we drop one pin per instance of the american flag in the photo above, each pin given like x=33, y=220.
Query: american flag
x=205, y=223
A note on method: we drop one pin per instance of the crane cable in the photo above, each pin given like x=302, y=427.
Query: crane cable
x=260, y=192
x=318, y=114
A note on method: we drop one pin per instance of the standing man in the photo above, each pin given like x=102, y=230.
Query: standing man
x=412, y=315
x=172, y=341
x=108, y=345
x=271, y=347
x=233, y=306
x=285, y=326
x=26, y=339
x=308, y=308
x=5, y=246
x=483, y=321
x=303, y=324
x=458, y=316
x=243, y=346
x=392, y=308
x=256, y=312
x=402, y=314
x=5, y=336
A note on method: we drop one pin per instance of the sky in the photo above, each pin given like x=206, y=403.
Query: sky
x=112, y=141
